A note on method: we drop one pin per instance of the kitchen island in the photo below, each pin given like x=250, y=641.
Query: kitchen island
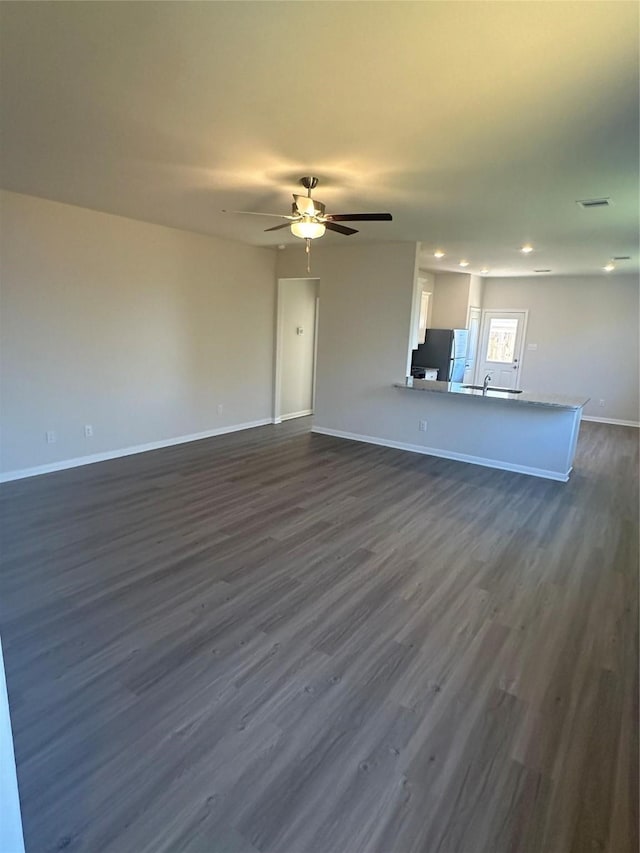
x=529, y=432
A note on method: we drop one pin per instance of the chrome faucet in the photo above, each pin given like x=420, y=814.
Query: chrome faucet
x=485, y=384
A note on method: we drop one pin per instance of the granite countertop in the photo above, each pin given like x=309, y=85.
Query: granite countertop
x=527, y=398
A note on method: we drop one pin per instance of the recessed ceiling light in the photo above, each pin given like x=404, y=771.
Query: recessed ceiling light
x=526, y=249
x=484, y=271
x=438, y=253
x=464, y=263
x=609, y=267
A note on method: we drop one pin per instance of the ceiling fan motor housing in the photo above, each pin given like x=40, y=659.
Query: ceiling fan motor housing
x=309, y=182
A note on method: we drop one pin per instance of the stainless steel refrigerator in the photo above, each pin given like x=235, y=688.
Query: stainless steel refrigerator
x=445, y=349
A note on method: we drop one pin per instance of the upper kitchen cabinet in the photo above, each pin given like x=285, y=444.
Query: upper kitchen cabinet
x=454, y=294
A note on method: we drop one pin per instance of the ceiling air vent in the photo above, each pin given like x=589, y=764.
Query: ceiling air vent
x=622, y=258
x=542, y=270
x=588, y=203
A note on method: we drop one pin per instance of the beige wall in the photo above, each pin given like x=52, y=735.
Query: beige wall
x=143, y=331
x=366, y=294
x=366, y=298
x=297, y=310
x=451, y=301
x=586, y=332
x=139, y=330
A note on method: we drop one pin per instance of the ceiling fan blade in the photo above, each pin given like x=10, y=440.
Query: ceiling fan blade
x=359, y=217
x=257, y=213
x=340, y=229
x=278, y=227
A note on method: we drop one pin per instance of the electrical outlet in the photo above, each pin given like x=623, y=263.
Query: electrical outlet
x=220, y=408
x=88, y=431
x=601, y=403
x=50, y=436
x=422, y=426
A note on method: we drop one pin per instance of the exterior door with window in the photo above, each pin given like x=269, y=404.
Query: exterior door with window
x=501, y=345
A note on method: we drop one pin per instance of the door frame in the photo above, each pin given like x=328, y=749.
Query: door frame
x=474, y=308
x=483, y=325
x=277, y=354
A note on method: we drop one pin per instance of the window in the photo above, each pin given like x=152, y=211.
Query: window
x=502, y=340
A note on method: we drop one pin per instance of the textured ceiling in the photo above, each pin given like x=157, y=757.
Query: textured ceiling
x=477, y=125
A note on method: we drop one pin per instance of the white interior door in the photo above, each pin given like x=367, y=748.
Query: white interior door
x=295, y=348
x=475, y=315
x=501, y=345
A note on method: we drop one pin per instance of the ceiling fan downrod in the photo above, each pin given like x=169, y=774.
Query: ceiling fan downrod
x=309, y=182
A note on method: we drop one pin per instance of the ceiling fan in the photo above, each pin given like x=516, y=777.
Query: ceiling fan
x=308, y=219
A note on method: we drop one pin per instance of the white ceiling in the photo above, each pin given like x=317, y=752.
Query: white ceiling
x=477, y=124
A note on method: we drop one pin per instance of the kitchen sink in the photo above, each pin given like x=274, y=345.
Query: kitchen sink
x=491, y=388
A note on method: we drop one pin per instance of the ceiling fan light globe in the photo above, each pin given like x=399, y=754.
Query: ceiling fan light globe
x=307, y=229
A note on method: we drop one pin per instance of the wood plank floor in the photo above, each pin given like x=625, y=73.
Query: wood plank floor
x=283, y=642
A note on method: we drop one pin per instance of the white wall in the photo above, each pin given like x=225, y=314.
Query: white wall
x=139, y=330
x=432, y=300
x=424, y=283
x=429, y=285
x=297, y=311
x=586, y=332
x=366, y=294
x=476, y=290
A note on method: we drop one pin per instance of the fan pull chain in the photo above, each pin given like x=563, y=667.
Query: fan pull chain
x=308, y=251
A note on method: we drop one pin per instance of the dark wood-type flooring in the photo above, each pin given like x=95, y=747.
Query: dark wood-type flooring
x=283, y=642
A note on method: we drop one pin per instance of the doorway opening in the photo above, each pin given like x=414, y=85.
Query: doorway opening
x=296, y=348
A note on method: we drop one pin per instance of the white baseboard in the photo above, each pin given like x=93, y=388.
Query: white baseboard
x=613, y=421
x=293, y=415
x=127, y=451
x=446, y=454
